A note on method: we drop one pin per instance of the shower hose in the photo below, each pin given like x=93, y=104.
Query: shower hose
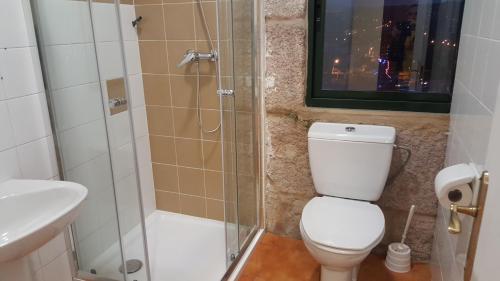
x=198, y=109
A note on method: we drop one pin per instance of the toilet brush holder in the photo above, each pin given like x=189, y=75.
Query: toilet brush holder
x=398, y=258
x=399, y=254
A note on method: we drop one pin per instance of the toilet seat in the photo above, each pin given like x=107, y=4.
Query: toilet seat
x=343, y=224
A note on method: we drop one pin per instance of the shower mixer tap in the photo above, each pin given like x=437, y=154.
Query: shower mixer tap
x=195, y=56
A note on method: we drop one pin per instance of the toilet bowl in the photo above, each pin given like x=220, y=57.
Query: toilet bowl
x=349, y=166
x=340, y=233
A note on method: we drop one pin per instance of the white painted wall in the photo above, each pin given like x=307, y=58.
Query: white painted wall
x=26, y=145
x=474, y=117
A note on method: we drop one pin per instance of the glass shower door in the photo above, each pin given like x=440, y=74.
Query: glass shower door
x=241, y=151
x=87, y=87
x=119, y=80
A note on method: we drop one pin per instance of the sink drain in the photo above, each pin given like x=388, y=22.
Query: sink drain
x=132, y=266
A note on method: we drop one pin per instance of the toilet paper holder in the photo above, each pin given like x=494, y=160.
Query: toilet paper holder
x=455, y=225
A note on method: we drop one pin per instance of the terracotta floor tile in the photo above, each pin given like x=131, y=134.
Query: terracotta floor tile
x=283, y=259
x=280, y=259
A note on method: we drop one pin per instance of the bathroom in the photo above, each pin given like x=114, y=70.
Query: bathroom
x=193, y=140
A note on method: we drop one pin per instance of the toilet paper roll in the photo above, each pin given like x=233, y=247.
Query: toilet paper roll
x=460, y=195
x=452, y=185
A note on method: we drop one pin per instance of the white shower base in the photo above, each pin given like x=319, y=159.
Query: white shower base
x=185, y=248
x=181, y=248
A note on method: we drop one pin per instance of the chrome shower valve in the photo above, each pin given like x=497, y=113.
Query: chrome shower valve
x=195, y=56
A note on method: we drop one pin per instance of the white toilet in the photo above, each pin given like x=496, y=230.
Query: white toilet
x=349, y=165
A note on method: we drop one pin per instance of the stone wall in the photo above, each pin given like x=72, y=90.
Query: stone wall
x=288, y=179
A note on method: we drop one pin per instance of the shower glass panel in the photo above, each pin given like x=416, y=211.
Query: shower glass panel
x=117, y=78
x=241, y=152
x=87, y=86
x=92, y=70
x=245, y=106
x=228, y=131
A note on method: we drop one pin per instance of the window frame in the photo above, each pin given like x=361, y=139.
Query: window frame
x=374, y=100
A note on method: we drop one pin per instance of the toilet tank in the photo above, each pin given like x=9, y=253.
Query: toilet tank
x=350, y=161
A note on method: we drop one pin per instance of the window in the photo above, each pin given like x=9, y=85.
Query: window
x=383, y=54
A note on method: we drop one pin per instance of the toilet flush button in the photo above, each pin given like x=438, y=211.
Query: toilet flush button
x=350, y=129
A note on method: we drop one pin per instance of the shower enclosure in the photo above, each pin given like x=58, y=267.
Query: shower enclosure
x=170, y=153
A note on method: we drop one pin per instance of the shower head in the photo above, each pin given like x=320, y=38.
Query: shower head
x=189, y=57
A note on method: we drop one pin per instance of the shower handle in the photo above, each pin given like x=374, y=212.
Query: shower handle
x=189, y=57
x=195, y=56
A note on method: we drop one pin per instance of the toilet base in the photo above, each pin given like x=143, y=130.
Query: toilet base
x=333, y=275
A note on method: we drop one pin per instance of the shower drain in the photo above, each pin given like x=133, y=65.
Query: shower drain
x=133, y=265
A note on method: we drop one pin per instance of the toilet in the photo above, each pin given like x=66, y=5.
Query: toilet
x=349, y=166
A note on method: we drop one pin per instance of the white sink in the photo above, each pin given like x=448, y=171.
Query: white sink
x=32, y=212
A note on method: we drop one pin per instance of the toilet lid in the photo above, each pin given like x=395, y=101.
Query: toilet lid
x=343, y=223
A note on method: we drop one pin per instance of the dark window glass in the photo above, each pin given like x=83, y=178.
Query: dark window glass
x=393, y=50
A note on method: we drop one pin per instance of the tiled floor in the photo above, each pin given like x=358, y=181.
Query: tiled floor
x=284, y=259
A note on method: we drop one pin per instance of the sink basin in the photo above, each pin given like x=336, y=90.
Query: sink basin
x=32, y=212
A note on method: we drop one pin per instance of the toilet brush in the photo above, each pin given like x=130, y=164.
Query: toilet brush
x=407, y=226
x=399, y=254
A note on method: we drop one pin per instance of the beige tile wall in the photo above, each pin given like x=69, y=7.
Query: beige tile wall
x=186, y=162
